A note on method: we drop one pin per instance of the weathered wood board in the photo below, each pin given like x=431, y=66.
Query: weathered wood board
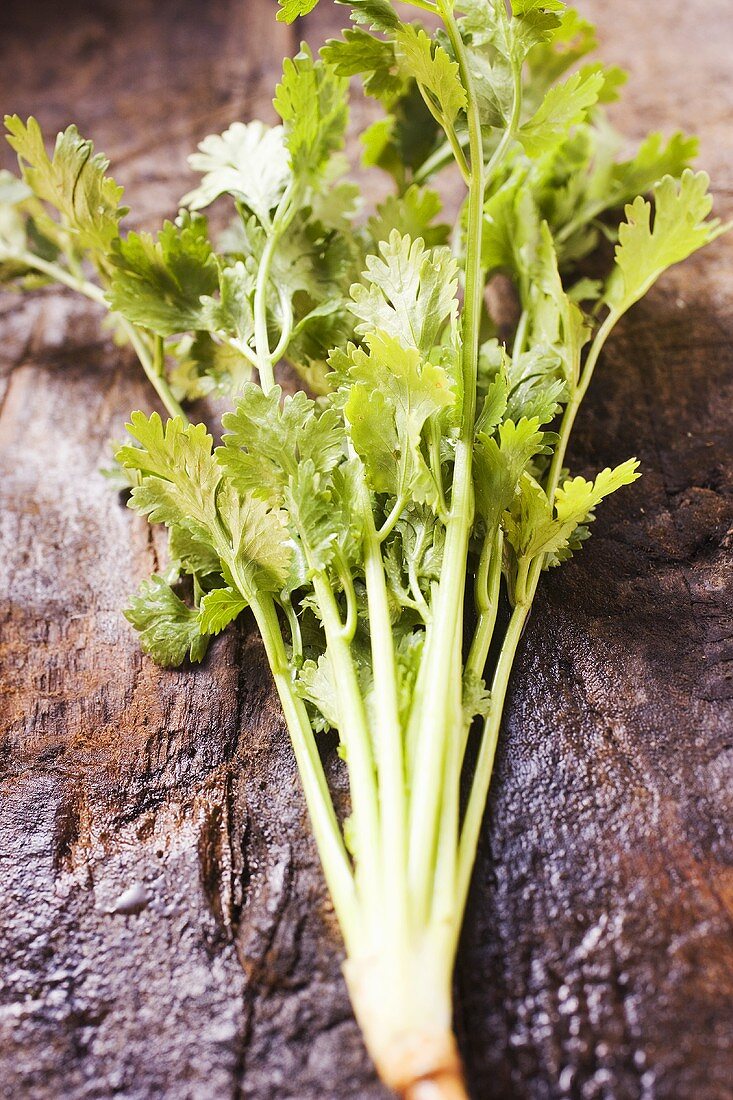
x=597, y=960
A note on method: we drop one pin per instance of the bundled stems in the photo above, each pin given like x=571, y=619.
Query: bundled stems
x=448, y=611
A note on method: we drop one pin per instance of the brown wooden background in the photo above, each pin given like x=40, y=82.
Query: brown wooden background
x=597, y=960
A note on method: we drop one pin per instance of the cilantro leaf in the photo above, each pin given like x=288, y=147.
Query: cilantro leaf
x=411, y=214
x=432, y=68
x=265, y=440
x=72, y=181
x=159, y=283
x=411, y=292
x=563, y=106
x=315, y=684
x=645, y=250
x=376, y=15
x=248, y=162
x=500, y=463
x=290, y=10
x=180, y=474
x=531, y=527
x=168, y=628
x=572, y=40
x=360, y=53
x=655, y=158
x=261, y=553
x=320, y=511
x=183, y=485
x=219, y=608
x=311, y=100
x=393, y=394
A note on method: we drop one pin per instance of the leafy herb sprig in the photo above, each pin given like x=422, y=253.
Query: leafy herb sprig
x=423, y=484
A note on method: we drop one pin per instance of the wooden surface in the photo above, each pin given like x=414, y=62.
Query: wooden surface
x=597, y=960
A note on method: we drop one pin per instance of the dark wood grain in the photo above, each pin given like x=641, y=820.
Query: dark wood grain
x=597, y=959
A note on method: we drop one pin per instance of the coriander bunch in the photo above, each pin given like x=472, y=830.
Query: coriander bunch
x=414, y=495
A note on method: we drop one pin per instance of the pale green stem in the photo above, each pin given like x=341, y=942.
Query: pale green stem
x=390, y=522
x=482, y=776
x=427, y=779
x=157, y=381
x=488, y=583
x=296, y=638
x=521, y=334
x=571, y=409
x=435, y=465
x=485, y=763
x=287, y=327
x=419, y=601
x=347, y=584
x=520, y=581
x=389, y=746
x=443, y=900
x=329, y=840
x=283, y=216
x=449, y=131
x=60, y=275
x=243, y=348
x=96, y=294
x=354, y=732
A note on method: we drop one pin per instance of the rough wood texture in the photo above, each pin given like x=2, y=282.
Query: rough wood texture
x=164, y=928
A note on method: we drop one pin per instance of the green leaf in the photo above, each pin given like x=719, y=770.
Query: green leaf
x=201, y=365
x=432, y=68
x=572, y=40
x=326, y=327
x=359, y=53
x=374, y=434
x=411, y=214
x=412, y=292
x=401, y=142
x=533, y=22
x=248, y=162
x=218, y=609
x=576, y=498
x=476, y=699
x=531, y=527
x=181, y=475
x=514, y=35
x=189, y=554
x=159, y=283
x=645, y=250
x=231, y=314
x=72, y=181
x=564, y=106
x=169, y=629
x=316, y=685
x=499, y=464
x=312, y=102
x=290, y=10
x=13, y=233
x=557, y=323
x=184, y=486
x=376, y=15
x=321, y=517
x=511, y=229
x=265, y=440
x=261, y=550
x=393, y=394
x=656, y=157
